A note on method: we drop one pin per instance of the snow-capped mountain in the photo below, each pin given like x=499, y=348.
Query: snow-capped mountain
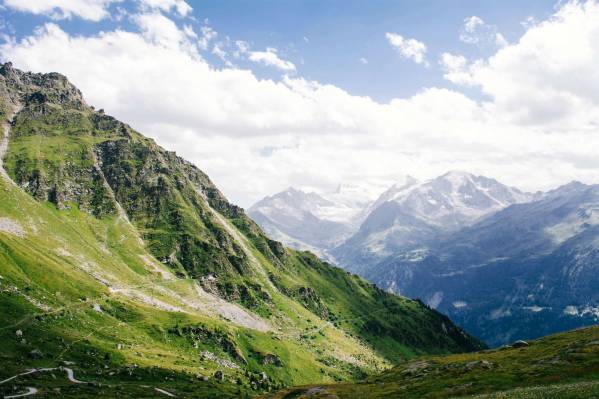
x=501, y=262
x=308, y=220
x=454, y=199
x=409, y=214
x=528, y=270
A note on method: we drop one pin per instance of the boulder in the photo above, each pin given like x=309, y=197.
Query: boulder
x=219, y=375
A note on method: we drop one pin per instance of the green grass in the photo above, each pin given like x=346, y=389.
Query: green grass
x=559, y=366
x=62, y=262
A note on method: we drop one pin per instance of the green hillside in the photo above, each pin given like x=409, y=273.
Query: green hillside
x=559, y=366
x=122, y=263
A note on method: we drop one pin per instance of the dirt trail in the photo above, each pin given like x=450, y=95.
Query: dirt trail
x=71, y=376
x=33, y=391
x=26, y=373
x=30, y=391
x=165, y=392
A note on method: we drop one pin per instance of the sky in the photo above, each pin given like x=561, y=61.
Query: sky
x=263, y=95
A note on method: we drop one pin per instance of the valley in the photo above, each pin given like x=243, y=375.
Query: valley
x=124, y=263
x=333, y=199
x=504, y=264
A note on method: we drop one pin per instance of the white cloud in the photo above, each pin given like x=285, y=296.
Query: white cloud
x=93, y=10
x=271, y=58
x=500, y=41
x=409, y=48
x=455, y=67
x=189, y=32
x=242, y=48
x=529, y=22
x=160, y=29
x=472, y=23
x=363, y=60
x=549, y=78
x=219, y=52
x=477, y=31
x=256, y=136
x=180, y=6
x=208, y=34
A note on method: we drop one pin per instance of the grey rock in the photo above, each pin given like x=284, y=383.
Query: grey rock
x=219, y=375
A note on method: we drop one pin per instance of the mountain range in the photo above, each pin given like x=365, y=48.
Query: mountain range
x=311, y=221
x=125, y=272
x=502, y=263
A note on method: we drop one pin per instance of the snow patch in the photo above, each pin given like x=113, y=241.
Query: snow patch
x=435, y=300
x=576, y=223
x=459, y=304
x=588, y=310
x=571, y=310
x=499, y=313
x=415, y=255
x=535, y=308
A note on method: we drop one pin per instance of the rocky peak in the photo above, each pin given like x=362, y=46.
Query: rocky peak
x=38, y=88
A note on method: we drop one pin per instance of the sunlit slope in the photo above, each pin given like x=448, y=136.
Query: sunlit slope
x=119, y=255
x=559, y=366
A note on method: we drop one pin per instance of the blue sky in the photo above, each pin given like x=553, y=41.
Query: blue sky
x=263, y=95
x=339, y=34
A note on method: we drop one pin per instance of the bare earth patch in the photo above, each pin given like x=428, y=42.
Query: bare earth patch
x=9, y=226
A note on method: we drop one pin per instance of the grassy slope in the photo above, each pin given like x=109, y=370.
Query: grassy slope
x=57, y=266
x=558, y=366
x=78, y=251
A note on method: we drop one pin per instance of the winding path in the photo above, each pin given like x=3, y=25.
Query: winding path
x=164, y=392
x=33, y=391
x=71, y=376
x=30, y=391
x=26, y=373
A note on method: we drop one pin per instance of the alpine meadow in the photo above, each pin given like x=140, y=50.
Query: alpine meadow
x=421, y=185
